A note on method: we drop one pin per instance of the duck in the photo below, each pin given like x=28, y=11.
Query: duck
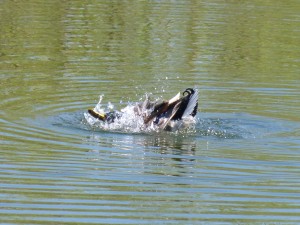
x=163, y=115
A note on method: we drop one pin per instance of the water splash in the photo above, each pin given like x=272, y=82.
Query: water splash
x=215, y=125
x=132, y=119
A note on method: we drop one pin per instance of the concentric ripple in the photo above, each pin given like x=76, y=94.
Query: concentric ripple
x=240, y=163
x=56, y=168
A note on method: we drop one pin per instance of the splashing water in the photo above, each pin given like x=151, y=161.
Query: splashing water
x=131, y=119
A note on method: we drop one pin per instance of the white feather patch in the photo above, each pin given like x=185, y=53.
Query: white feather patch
x=191, y=105
x=174, y=99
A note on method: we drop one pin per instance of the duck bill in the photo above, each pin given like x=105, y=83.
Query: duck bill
x=97, y=115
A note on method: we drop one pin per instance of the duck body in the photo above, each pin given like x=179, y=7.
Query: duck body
x=163, y=115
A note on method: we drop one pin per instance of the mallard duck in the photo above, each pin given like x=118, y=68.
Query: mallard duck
x=160, y=114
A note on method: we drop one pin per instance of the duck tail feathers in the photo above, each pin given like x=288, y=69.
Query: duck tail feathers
x=192, y=106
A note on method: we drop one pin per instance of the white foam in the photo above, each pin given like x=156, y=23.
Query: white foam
x=132, y=119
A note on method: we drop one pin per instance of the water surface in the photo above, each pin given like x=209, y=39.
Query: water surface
x=239, y=166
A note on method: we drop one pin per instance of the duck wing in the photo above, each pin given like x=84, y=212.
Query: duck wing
x=172, y=113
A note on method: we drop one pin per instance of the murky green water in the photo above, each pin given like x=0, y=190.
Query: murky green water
x=241, y=166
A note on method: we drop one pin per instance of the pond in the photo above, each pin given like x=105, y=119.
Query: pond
x=239, y=165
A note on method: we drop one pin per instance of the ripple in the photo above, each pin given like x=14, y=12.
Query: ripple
x=59, y=166
x=235, y=167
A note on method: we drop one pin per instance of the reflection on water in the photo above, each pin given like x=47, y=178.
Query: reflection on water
x=239, y=166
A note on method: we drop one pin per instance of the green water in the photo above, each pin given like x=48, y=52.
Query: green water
x=241, y=166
